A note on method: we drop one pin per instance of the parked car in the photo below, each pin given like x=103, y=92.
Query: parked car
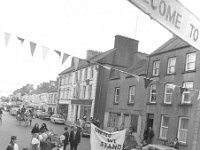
x=13, y=111
x=44, y=115
x=86, y=129
x=57, y=118
x=157, y=147
x=37, y=112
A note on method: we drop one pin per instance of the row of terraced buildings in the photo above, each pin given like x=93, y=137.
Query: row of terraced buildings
x=104, y=86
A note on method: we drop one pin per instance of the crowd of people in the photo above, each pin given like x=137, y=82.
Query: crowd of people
x=42, y=139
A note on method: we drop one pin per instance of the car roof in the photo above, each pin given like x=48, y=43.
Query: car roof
x=161, y=146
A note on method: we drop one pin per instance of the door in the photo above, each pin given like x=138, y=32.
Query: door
x=150, y=119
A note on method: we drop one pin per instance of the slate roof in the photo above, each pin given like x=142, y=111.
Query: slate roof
x=139, y=68
x=171, y=44
x=84, y=63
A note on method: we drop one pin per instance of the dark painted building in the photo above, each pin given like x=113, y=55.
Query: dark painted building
x=172, y=105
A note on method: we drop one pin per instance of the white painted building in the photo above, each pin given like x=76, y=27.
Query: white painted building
x=77, y=91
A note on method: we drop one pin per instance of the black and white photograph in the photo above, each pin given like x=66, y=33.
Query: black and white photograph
x=99, y=75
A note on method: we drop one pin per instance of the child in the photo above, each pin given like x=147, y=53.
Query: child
x=35, y=142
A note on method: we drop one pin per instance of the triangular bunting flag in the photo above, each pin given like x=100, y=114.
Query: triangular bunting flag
x=147, y=81
x=137, y=77
x=65, y=56
x=182, y=89
x=107, y=67
x=33, y=46
x=76, y=62
x=58, y=52
x=198, y=98
x=45, y=51
x=21, y=40
x=172, y=86
x=122, y=74
x=7, y=38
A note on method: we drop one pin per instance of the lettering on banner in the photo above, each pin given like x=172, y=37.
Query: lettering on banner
x=111, y=143
x=173, y=16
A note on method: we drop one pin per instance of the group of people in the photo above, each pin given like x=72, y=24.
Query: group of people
x=149, y=135
x=25, y=115
x=42, y=142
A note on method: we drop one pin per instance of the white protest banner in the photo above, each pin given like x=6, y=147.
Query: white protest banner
x=103, y=140
x=173, y=16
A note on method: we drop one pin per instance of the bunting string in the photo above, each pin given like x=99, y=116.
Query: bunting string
x=147, y=80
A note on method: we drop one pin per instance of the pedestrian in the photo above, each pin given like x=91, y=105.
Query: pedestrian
x=1, y=113
x=13, y=145
x=66, y=140
x=48, y=145
x=35, y=129
x=175, y=144
x=30, y=117
x=145, y=136
x=35, y=142
x=43, y=128
x=150, y=135
x=116, y=129
x=74, y=138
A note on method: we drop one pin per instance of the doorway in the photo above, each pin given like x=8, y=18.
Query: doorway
x=150, y=119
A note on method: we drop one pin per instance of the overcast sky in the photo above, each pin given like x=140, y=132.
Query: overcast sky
x=72, y=27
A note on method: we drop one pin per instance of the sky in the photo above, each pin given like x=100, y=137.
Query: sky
x=72, y=27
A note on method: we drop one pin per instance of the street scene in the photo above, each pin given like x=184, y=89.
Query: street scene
x=99, y=75
x=10, y=127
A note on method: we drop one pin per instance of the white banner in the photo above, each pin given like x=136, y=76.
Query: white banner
x=174, y=16
x=103, y=140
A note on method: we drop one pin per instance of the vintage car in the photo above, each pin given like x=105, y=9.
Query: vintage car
x=157, y=147
x=44, y=115
x=57, y=118
x=86, y=129
x=37, y=112
x=13, y=111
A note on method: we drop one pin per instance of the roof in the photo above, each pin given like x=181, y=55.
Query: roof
x=139, y=68
x=171, y=44
x=84, y=63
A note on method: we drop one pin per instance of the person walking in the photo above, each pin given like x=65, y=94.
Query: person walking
x=35, y=142
x=175, y=144
x=66, y=140
x=1, y=114
x=150, y=135
x=13, y=145
x=35, y=129
x=43, y=128
x=74, y=138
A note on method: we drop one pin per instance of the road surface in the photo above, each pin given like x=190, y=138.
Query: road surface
x=11, y=127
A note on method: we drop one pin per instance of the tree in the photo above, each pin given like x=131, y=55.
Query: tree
x=27, y=89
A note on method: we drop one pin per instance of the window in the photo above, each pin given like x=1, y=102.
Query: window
x=183, y=129
x=186, y=96
x=86, y=72
x=116, y=95
x=168, y=93
x=90, y=92
x=153, y=94
x=113, y=120
x=190, y=61
x=134, y=122
x=171, y=65
x=164, y=127
x=156, y=66
x=84, y=91
x=80, y=75
x=131, y=98
x=76, y=77
x=91, y=71
x=75, y=93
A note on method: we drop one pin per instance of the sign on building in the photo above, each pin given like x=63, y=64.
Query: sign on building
x=174, y=16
